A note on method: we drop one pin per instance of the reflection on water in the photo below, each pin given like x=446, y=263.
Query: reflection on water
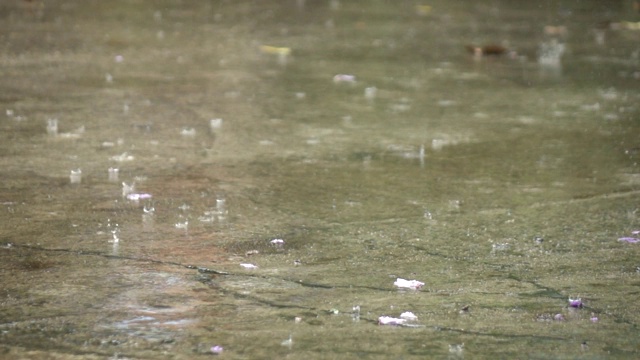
x=274, y=167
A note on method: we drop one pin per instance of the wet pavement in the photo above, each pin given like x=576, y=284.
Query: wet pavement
x=249, y=179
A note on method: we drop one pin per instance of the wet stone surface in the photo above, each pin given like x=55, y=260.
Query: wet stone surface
x=251, y=179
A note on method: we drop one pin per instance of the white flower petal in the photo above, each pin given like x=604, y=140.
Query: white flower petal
x=388, y=320
x=409, y=284
x=408, y=315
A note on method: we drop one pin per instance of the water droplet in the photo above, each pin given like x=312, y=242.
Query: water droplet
x=370, y=92
x=188, y=132
x=182, y=225
x=288, y=343
x=215, y=124
x=128, y=189
x=113, y=174
x=220, y=205
x=75, y=176
x=52, y=127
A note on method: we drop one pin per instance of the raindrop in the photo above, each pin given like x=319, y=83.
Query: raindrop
x=438, y=144
x=599, y=36
x=75, y=176
x=122, y=157
x=221, y=205
x=355, y=315
x=207, y=217
x=277, y=243
x=113, y=174
x=215, y=124
x=128, y=189
x=52, y=127
x=456, y=349
x=288, y=343
x=500, y=247
x=550, y=53
x=370, y=93
x=454, y=205
x=283, y=58
x=114, y=229
x=114, y=234
x=183, y=225
x=188, y=132
x=147, y=218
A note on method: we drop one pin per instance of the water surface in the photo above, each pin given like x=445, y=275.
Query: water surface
x=502, y=183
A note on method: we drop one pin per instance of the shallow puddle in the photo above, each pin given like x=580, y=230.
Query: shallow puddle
x=249, y=179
